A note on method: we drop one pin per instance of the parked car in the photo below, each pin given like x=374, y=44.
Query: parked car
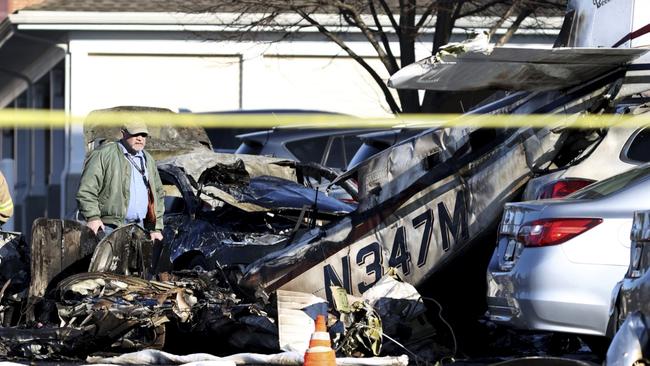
x=225, y=140
x=557, y=261
x=611, y=152
x=333, y=148
x=375, y=142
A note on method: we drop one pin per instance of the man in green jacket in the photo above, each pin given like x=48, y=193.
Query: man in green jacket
x=120, y=185
x=6, y=203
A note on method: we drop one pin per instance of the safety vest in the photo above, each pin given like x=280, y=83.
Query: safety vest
x=6, y=204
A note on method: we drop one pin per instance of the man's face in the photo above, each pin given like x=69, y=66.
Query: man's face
x=135, y=142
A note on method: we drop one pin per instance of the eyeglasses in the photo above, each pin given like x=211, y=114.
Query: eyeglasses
x=140, y=135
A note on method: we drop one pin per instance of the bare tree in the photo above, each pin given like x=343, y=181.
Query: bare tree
x=383, y=21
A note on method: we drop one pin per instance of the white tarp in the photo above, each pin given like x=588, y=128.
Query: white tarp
x=154, y=357
x=294, y=325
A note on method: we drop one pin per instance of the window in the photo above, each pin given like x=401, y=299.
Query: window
x=364, y=152
x=249, y=147
x=309, y=150
x=336, y=155
x=639, y=148
x=342, y=149
x=352, y=144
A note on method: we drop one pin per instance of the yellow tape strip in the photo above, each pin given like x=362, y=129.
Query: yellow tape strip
x=15, y=118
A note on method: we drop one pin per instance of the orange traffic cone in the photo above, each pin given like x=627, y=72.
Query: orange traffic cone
x=320, y=352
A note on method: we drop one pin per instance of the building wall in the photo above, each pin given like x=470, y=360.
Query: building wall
x=206, y=76
x=181, y=72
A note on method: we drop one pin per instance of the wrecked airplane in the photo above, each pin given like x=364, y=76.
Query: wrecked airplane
x=424, y=200
x=232, y=210
x=261, y=224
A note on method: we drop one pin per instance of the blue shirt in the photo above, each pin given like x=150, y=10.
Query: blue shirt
x=138, y=196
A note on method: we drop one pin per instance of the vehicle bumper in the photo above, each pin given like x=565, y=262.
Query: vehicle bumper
x=544, y=291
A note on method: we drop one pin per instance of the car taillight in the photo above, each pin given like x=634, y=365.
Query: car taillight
x=562, y=187
x=541, y=233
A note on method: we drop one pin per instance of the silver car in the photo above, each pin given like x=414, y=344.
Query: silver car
x=618, y=150
x=558, y=261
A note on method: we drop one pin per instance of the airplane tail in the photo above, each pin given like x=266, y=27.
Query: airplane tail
x=607, y=23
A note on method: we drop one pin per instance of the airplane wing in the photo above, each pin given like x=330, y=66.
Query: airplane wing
x=530, y=69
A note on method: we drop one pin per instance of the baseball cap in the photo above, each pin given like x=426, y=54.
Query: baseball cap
x=135, y=126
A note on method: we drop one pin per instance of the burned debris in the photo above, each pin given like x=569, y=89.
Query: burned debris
x=121, y=307
x=117, y=310
x=126, y=293
x=14, y=275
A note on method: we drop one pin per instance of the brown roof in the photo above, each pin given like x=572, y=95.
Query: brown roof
x=197, y=6
x=124, y=5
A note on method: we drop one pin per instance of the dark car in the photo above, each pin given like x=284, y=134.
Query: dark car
x=225, y=139
x=375, y=142
x=333, y=148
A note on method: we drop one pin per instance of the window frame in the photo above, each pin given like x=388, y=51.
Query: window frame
x=626, y=147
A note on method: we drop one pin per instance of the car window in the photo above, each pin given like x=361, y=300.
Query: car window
x=309, y=150
x=364, y=152
x=336, y=155
x=249, y=147
x=613, y=184
x=639, y=149
x=341, y=151
x=351, y=145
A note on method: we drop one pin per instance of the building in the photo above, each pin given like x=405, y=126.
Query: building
x=80, y=55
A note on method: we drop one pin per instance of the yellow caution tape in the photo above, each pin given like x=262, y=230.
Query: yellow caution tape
x=22, y=118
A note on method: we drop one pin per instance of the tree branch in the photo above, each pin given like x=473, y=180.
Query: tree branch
x=459, y=6
x=387, y=94
x=390, y=16
x=365, y=30
x=480, y=9
x=503, y=18
x=426, y=14
x=384, y=39
x=525, y=12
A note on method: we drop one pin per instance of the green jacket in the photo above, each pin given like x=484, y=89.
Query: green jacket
x=105, y=184
x=6, y=203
